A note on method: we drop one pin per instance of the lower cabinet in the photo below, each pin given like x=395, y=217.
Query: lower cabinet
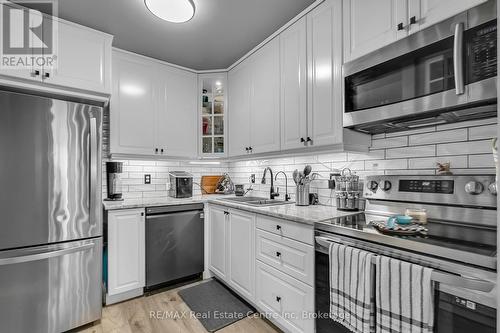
x=126, y=254
x=267, y=261
x=285, y=299
x=232, y=249
x=242, y=252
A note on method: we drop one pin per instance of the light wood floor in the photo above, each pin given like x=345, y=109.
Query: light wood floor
x=134, y=316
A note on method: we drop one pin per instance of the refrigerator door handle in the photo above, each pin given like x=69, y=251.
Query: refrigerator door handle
x=93, y=167
x=46, y=255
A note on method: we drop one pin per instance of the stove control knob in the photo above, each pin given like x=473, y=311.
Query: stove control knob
x=493, y=188
x=386, y=185
x=373, y=185
x=474, y=187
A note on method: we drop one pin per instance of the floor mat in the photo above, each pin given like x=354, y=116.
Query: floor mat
x=214, y=305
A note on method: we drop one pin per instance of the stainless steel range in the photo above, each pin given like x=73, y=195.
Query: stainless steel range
x=460, y=243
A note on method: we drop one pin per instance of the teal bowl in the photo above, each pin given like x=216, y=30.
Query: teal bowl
x=399, y=219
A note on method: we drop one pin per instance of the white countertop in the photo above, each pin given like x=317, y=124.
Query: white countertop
x=154, y=202
x=301, y=214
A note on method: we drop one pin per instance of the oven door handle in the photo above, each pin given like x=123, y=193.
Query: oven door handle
x=458, y=58
x=452, y=280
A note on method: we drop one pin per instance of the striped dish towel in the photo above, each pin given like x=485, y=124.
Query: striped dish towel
x=352, y=299
x=404, y=301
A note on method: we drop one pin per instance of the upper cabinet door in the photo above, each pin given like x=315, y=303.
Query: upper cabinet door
x=239, y=109
x=83, y=58
x=325, y=73
x=429, y=12
x=133, y=105
x=177, y=112
x=369, y=25
x=293, y=56
x=265, y=105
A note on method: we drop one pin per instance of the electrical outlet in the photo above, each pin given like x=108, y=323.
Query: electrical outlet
x=147, y=179
x=252, y=178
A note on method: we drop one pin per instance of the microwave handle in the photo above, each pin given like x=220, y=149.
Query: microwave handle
x=458, y=58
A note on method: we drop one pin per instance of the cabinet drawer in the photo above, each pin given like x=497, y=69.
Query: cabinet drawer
x=287, y=255
x=288, y=301
x=301, y=232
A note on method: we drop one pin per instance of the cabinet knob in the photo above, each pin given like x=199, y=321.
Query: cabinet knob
x=142, y=214
x=413, y=20
x=278, y=254
x=246, y=148
x=161, y=150
x=400, y=26
x=278, y=299
x=36, y=72
x=302, y=140
x=278, y=227
x=309, y=139
x=47, y=75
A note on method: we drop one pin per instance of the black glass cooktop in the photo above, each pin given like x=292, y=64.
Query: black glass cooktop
x=479, y=240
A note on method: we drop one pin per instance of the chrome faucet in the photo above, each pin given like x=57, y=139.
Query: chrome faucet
x=272, y=194
x=287, y=197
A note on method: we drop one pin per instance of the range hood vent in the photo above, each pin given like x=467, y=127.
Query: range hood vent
x=429, y=119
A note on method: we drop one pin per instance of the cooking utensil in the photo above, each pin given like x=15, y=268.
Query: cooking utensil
x=296, y=178
x=307, y=170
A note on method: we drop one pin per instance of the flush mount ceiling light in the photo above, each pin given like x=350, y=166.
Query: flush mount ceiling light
x=177, y=11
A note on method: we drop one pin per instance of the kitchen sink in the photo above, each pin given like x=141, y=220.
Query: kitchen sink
x=256, y=201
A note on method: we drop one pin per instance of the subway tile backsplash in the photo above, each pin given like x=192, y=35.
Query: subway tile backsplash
x=466, y=146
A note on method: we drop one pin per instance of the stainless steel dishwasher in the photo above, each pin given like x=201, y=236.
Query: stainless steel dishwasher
x=174, y=244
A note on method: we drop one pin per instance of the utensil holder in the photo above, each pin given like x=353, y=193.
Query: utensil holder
x=302, y=195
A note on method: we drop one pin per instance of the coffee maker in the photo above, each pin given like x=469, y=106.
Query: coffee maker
x=114, y=182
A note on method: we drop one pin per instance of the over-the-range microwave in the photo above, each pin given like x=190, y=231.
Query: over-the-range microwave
x=445, y=73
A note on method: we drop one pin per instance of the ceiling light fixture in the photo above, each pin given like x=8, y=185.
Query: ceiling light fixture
x=176, y=11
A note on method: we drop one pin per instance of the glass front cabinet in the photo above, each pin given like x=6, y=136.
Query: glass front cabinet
x=213, y=115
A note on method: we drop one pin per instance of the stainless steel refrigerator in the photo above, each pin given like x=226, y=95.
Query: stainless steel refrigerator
x=50, y=213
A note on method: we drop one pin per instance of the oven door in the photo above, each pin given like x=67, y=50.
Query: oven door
x=455, y=314
x=457, y=303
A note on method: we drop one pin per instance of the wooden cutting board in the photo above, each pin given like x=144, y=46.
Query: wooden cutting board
x=209, y=184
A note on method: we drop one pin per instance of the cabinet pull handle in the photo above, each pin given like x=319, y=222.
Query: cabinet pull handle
x=226, y=213
x=308, y=139
x=36, y=72
x=278, y=227
x=278, y=254
x=413, y=20
x=47, y=75
x=302, y=140
x=142, y=214
x=400, y=26
x=278, y=299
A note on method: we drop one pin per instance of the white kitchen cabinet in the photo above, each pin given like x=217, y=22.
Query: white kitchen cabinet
x=254, y=115
x=126, y=251
x=369, y=25
x=293, y=64
x=218, y=251
x=429, y=12
x=242, y=252
x=264, y=102
x=284, y=299
x=82, y=55
x=133, y=108
x=239, y=109
x=153, y=108
x=325, y=74
x=83, y=58
x=177, y=114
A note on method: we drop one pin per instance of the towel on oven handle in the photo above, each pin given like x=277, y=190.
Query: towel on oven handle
x=404, y=301
x=352, y=298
